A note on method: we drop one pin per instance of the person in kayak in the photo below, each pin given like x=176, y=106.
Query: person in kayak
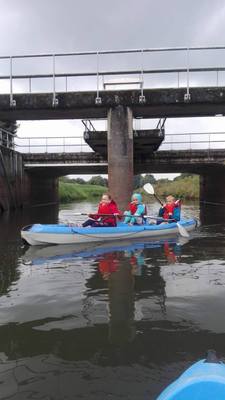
x=170, y=210
x=106, y=215
x=136, y=212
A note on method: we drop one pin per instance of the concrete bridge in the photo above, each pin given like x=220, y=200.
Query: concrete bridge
x=119, y=107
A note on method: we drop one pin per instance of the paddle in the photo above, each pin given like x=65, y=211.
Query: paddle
x=115, y=215
x=150, y=190
x=122, y=215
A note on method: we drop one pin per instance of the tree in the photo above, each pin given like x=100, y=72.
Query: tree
x=183, y=175
x=137, y=181
x=148, y=178
x=98, y=180
x=8, y=126
x=80, y=181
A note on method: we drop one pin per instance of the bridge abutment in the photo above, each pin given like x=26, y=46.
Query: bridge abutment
x=212, y=196
x=43, y=189
x=19, y=189
x=13, y=182
x=120, y=154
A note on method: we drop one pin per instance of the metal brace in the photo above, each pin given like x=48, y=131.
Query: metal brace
x=98, y=101
x=12, y=102
x=55, y=101
x=187, y=97
x=142, y=99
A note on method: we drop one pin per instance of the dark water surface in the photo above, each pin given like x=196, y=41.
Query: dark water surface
x=101, y=322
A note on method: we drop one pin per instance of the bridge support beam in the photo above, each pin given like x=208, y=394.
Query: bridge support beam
x=212, y=196
x=120, y=154
x=43, y=190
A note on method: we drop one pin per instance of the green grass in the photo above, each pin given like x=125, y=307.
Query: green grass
x=185, y=188
x=69, y=192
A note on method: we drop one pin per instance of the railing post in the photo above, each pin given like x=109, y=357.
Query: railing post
x=64, y=144
x=29, y=145
x=46, y=144
x=187, y=96
x=142, y=98
x=98, y=100
x=55, y=101
x=30, y=84
x=12, y=102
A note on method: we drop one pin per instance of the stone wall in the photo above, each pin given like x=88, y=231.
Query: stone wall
x=20, y=189
x=13, y=183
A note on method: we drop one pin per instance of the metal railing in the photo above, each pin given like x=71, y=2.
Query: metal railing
x=7, y=139
x=53, y=144
x=141, y=66
x=77, y=144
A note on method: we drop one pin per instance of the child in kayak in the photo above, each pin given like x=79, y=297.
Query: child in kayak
x=106, y=215
x=136, y=210
x=171, y=209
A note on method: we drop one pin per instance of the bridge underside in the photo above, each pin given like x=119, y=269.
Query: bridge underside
x=209, y=165
x=159, y=103
x=144, y=141
x=61, y=164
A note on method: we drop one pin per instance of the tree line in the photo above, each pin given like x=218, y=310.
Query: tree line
x=139, y=180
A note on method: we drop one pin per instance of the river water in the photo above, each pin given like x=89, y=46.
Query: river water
x=115, y=321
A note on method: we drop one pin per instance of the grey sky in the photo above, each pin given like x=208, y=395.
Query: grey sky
x=31, y=26
x=49, y=26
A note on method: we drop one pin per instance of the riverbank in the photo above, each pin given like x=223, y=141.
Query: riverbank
x=186, y=188
x=69, y=192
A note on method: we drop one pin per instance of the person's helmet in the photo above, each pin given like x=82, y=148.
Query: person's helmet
x=137, y=196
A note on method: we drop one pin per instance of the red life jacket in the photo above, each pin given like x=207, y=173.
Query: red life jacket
x=168, y=209
x=133, y=208
x=106, y=208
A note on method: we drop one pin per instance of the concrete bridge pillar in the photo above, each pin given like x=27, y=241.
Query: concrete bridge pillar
x=120, y=154
x=212, y=196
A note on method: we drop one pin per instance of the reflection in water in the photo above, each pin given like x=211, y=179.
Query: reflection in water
x=108, y=321
x=118, y=271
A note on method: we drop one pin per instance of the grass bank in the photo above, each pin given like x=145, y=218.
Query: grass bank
x=185, y=188
x=69, y=192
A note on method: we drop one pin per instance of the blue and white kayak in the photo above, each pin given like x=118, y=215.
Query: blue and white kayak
x=204, y=380
x=39, y=234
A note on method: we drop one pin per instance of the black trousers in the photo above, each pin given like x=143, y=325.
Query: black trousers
x=96, y=224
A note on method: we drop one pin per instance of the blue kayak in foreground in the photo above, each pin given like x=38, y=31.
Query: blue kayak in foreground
x=39, y=234
x=204, y=380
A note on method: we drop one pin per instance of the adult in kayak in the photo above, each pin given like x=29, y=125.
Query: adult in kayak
x=106, y=215
x=134, y=216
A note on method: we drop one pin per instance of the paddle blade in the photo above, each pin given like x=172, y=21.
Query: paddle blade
x=149, y=188
x=182, y=231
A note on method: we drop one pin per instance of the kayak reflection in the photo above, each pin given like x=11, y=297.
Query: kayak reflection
x=120, y=266
x=41, y=254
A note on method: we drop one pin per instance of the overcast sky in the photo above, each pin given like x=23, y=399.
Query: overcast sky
x=50, y=26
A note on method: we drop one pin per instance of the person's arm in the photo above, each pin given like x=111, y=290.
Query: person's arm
x=140, y=210
x=96, y=216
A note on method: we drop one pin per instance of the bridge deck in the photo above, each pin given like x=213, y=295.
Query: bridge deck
x=77, y=105
x=59, y=164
